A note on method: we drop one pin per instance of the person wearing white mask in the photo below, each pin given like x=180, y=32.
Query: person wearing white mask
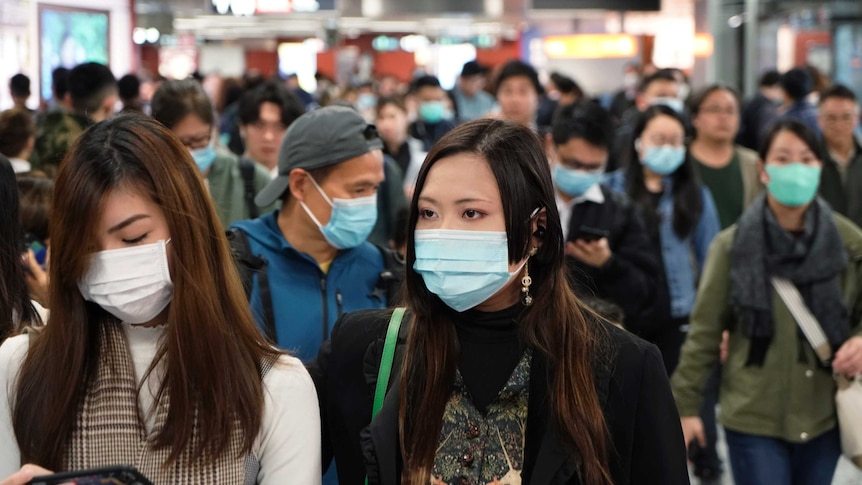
x=151, y=357
x=505, y=376
x=618, y=266
x=184, y=108
x=680, y=215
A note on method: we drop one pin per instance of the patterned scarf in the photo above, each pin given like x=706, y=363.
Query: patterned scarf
x=110, y=431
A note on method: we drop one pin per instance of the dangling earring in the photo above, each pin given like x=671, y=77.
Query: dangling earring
x=526, y=281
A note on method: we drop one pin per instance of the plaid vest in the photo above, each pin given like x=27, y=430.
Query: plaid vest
x=109, y=429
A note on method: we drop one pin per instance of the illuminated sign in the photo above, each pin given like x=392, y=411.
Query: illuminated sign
x=703, y=45
x=590, y=46
x=246, y=8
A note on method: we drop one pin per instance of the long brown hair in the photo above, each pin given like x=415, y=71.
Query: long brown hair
x=212, y=348
x=554, y=325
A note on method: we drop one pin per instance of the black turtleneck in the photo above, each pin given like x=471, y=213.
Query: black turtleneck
x=490, y=350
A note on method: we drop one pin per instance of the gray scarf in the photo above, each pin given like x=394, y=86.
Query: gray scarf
x=813, y=261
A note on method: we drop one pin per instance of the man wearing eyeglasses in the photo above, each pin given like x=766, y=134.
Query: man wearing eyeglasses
x=841, y=180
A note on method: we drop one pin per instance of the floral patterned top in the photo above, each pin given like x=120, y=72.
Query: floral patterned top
x=476, y=449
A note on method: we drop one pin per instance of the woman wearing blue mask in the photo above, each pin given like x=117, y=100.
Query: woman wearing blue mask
x=777, y=399
x=151, y=357
x=185, y=109
x=506, y=377
x=680, y=216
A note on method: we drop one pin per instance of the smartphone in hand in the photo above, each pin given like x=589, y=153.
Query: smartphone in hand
x=115, y=475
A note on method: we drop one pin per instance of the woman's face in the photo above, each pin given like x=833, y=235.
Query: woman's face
x=193, y=132
x=130, y=218
x=392, y=123
x=787, y=148
x=660, y=131
x=461, y=194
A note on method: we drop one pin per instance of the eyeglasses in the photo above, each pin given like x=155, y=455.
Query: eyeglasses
x=845, y=118
x=195, y=142
x=718, y=110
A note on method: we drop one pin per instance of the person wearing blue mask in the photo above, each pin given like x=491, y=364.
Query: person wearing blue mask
x=661, y=87
x=777, y=396
x=434, y=109
x=618, y=266
x=317, y=261
x=504, y=376
x=184, y=108
x=680, y=216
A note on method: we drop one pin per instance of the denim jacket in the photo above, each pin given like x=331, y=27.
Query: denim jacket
x=683, y=258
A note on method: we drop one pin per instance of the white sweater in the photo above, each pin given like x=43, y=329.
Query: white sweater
x=288, y=444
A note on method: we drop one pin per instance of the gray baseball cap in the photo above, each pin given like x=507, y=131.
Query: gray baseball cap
x=317, y=139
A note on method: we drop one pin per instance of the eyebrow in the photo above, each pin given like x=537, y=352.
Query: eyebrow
x=467, y=200
x=127, y=222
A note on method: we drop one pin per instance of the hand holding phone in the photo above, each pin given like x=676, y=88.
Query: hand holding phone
x=590, y=234
x=116, y=475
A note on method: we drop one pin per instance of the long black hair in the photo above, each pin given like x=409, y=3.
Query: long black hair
x=687, y=196
x=556, y=325
x=15, y=305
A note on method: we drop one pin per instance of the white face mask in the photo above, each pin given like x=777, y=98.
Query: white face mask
x=133, y=284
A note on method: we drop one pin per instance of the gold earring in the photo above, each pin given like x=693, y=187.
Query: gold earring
x=526, y=281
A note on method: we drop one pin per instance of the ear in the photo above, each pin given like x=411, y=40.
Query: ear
x=549, y=148
x=299, y=184
x=641, y=102
x=761, y=172
x=242, y=132
x=538, y=225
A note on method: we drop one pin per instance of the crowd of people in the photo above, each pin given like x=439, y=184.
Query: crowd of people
x=201, y=278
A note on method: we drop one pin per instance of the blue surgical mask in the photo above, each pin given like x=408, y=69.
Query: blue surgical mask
x=351, y=221
x=366, y=101
x=663, y=160
x=433, y=112
x=675, y=104
x=463, y=268
x=204, y=157
x=576, y=183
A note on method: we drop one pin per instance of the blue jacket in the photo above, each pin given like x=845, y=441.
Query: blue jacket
x=683, y=258
x=307, y=301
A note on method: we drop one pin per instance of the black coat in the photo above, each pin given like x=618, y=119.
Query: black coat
x=633, y=278
x=632, y=386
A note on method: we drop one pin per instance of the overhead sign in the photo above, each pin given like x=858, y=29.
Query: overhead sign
x=590, y=46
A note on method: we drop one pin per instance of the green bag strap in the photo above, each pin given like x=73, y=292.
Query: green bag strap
x=386, y=362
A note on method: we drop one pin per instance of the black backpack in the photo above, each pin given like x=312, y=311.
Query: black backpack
x=246, y=170
x=387, y=288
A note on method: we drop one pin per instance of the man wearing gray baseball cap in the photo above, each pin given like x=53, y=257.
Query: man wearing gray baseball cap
x=313, y=258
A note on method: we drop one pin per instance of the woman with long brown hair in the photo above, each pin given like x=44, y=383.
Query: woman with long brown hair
x=151, y=357
x=507, y=377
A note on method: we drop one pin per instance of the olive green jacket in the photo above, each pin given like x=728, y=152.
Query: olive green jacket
x=787, y=398
x=752, y=186
x=227, y=188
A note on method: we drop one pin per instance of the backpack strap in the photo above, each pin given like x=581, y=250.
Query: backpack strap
x=248, y=264
x=391, y=278
x=246, y=169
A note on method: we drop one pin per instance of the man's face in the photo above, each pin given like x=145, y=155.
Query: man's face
x=106, y=109
x=518, y=100
x=430, y=93
x=263, y=137
x=355, y=178
x=838, y=119
x=579, y=154
x=471, y=85
x=660, y=88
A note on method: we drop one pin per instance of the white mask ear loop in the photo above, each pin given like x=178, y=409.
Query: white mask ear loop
x=320, y=190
